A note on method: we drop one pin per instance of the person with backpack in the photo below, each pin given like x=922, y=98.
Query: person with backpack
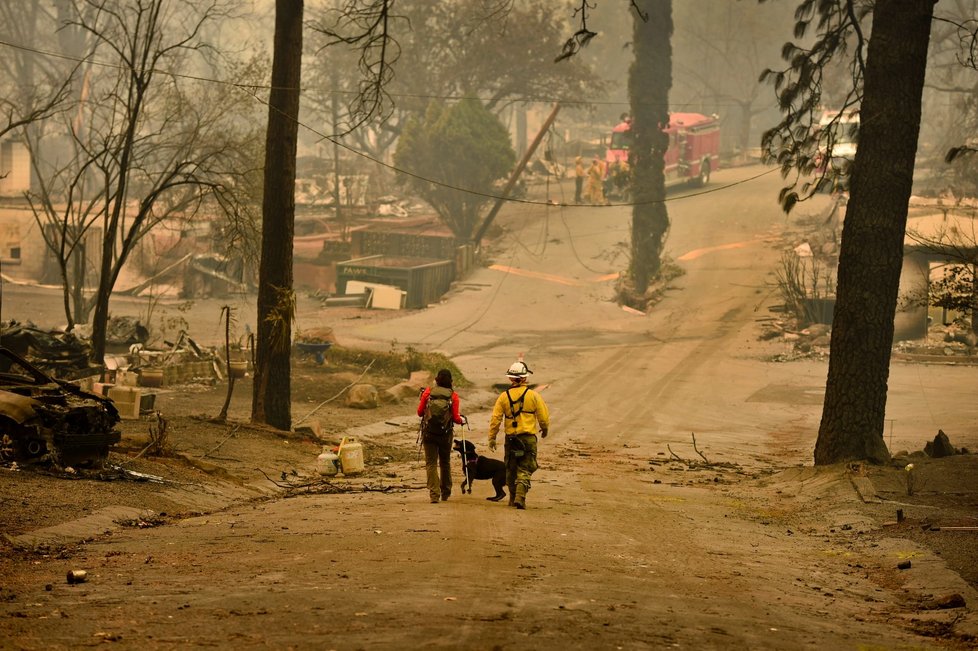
x=439, y=409
x=522, y=411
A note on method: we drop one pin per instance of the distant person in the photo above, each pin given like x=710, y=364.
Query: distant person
x=580, y=173
x=439, y=409
x=522, y=413
x=619, y=178
x=595, y=182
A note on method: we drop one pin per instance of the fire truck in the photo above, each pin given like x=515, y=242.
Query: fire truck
x=838, y=133
x=694, y=147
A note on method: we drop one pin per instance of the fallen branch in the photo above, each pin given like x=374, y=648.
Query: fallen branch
x=231, y=433
x=157, y=438
x=330, y=488
x=693, y=434
x=143, y=451
x=341, y=392
x=318, y=486
x=279, y=484
x=674, y=455
x=692, y=464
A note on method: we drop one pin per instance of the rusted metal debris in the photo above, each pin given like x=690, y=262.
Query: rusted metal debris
x=45, y=419
x=60, y=354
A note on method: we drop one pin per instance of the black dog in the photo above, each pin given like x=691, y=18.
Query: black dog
x=475, y=466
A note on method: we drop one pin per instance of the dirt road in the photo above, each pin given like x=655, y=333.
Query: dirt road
x=623, y=544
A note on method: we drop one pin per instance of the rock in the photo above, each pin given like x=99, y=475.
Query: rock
x=940, y=446
x=363, y=396
x=403, y=391
x=817, y=330
x=420, y=380
x=947, y=601
x=956, y=335
x=318, y=336
x=803, y=250
x=305, y=431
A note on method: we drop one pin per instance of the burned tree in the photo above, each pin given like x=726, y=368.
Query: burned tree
x=271, y=400
x=887, y=66
x=145, y=145
x=34, y=88
x=649, y=81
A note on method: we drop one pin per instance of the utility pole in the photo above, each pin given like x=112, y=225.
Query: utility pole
x=516, y=174
x=334, y=83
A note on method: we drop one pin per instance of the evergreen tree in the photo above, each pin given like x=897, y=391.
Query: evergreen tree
x=465, y=149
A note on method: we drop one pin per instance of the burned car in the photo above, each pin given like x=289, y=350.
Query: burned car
x=45, y=419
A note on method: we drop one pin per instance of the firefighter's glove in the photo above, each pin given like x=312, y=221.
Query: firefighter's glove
x=492, y=444
x=543, y=433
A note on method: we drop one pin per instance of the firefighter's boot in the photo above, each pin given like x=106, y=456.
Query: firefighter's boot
x=520, y=501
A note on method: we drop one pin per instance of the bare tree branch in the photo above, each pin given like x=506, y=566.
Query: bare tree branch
x=582, y=36
x=366, y=25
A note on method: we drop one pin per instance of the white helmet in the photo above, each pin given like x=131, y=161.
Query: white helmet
x=518, y=371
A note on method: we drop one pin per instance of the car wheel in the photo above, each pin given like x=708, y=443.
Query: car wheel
x=704, y=177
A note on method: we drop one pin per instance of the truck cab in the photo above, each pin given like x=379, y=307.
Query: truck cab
x=838, y=135
x=693, y=153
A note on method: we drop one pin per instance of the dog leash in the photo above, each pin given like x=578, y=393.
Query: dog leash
x=465, y=459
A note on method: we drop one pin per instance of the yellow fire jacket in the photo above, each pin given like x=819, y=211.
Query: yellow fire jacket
x=521, y=410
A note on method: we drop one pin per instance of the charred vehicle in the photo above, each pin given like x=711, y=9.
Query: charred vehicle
x=45, y=419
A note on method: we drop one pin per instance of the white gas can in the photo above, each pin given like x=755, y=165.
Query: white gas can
x=327, y=462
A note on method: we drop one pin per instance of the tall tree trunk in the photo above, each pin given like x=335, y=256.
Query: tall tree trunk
x=974, y=299
x=871, y=253
x=649, y=81
x=100, y=316
x=79, y=261
x=271, y=401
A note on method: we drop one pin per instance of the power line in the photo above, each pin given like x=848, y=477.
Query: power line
x=453, y=97
x=488, y=195
x=252, y=90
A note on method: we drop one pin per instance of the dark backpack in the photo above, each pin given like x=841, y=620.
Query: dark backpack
x=437, y=423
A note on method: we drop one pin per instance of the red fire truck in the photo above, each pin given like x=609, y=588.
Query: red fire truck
x=694, y=147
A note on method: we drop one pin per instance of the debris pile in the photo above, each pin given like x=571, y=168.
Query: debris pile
x=60, y=354
x=936, y=449
x=183, y=362
x=45, y=419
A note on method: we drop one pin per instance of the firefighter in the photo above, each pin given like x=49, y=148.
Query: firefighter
x=579, y=175
x=522, y=412
x=595, y=181
x=619, y=177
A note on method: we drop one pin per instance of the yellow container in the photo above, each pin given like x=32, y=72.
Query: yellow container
x=351, y=456
x=238, y=368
